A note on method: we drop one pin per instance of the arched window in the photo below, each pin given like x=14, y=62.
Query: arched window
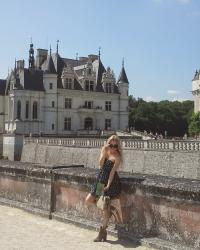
x=35, y=110
x=18, y=109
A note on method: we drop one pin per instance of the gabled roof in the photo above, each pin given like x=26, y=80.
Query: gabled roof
x=122, y=77
x=2, y=86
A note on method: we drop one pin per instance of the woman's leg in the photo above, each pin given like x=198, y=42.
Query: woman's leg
x=90, y=200
x=106, y=216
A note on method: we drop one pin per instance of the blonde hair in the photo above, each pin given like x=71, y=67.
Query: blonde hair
x=119, y=149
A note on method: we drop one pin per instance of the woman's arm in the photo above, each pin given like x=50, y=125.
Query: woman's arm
x=112, y=173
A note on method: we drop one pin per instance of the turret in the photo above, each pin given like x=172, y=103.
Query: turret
x=31, y=57
x=122, y=82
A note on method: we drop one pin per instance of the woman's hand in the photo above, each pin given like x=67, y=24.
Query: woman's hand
x=105, y=148
x=106, y=188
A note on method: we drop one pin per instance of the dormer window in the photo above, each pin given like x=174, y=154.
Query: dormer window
x=50, y=85
x=89, y=85
x=68, y=83
x=108, y=87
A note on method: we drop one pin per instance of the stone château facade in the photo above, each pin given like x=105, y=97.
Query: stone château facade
x=59, y=96
x=196, y=91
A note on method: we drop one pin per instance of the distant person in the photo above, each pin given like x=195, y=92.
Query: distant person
x=109, y=161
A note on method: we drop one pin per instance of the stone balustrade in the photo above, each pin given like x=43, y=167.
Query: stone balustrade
x=176, y=145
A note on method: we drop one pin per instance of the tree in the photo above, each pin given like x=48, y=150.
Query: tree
x=162, y=116
x=194, y=126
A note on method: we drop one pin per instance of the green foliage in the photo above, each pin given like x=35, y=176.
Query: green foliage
x=159, y=117
x=194, y=126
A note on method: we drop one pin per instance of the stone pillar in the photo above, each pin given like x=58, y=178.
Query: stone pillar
x=12, y=146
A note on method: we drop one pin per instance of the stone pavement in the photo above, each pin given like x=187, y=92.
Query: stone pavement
x=20, y=230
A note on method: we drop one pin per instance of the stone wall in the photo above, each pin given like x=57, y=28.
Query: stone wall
x=150, y=206
x=175, y=163
x=1, y=146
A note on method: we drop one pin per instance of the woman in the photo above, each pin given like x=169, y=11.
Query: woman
x=109, y=161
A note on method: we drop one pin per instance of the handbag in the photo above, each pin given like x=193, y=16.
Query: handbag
x=103, y=202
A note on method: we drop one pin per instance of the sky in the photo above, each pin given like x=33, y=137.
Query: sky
x=158, y=39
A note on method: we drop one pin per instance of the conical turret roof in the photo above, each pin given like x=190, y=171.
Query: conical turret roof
x=122, y=76
x=50, y=65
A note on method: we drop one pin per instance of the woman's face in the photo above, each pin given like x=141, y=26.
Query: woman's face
x=113, y=145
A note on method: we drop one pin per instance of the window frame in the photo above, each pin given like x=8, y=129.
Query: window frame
x=68, y=103
x=35, y=110
x=27, y=110
x=108, y=123
x=67, y=124
x=108, y=106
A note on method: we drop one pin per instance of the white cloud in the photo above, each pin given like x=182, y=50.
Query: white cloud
x=172, y=92
x=180, y=99
x=149, y=99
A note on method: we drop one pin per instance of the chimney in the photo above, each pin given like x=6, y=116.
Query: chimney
x=41, y=57
x=20, y=64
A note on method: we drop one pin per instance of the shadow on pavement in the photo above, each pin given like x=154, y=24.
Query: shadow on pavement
x=124, y=243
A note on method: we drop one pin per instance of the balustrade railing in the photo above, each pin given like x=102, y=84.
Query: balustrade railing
x=159, y=145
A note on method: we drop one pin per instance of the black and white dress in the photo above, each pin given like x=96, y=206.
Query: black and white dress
x=103, y=176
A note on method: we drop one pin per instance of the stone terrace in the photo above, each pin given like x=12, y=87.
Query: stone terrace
x=21, y=230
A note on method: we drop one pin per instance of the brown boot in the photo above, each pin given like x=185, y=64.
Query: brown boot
x=102, y=236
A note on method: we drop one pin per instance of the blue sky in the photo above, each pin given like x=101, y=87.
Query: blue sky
x=159, y=39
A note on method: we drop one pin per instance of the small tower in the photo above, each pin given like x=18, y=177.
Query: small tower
x=196, y=90
x=123, y=86
x=122, y=82
x=31, y=57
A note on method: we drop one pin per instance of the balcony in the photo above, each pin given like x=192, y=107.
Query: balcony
x=90, y=109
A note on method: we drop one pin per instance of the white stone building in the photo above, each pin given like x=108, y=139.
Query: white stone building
x=196, y=91
x=60, y=96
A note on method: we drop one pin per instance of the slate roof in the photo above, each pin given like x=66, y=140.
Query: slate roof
x=196, y=76
x=122, y=76
x=2, y=86
x=50, y=68
x=73, y=62
x=100, y=72
x=33, y=80
x=58, y=63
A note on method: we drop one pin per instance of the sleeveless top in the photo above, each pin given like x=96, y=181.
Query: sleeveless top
x=103, y=176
